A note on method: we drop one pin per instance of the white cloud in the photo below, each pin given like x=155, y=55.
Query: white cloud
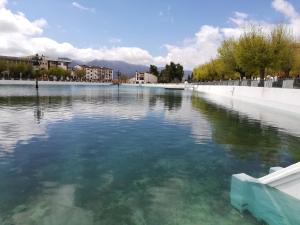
x=285, y=8
x=81, y=7
x=201, y=48
x=20, y=36
x=2, y=3
x=11, y=23
x=288, y=10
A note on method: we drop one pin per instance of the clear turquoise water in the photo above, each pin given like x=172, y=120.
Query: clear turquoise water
x=96, y=155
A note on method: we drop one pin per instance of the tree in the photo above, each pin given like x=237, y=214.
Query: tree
x=216, y=69
x=283, y=49
x=28, y=71
x=178, y=73
x=227, y=53
x=80, y=74
x=171, y=73
x=165, y=75
x=203, y=72
x=253, y=52
x=296, y=66
x=59, y=72
x=3, y=66
x=153, y=70
x=123, y=79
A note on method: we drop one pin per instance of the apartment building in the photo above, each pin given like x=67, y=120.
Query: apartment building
x=16, y=60
x=97, y=73
x=59, y=62
x=39, y=62
x=145, y=78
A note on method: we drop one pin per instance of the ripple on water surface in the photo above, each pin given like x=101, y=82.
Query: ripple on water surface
x=99, y=155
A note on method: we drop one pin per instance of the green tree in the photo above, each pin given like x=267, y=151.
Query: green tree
x=216, y=69
x=171, y=73
x=165, y=75
x=59, y=72
x=296, y=66
x=283, y=50
x=178, y=73
x=154, y=70
x=227, y=53
x=123, y=78
x=80, y=74
x=253, y=52
x=28, y=71
x=3, y=66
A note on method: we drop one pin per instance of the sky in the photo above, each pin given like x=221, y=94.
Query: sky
x=136, y=31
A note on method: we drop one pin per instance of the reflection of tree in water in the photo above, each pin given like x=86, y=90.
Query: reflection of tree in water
x=172, y=100
x=293, y=145
x=152, y=101
x=244, y=136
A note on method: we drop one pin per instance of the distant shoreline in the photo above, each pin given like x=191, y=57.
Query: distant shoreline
x=45, y=83
x=32, y=82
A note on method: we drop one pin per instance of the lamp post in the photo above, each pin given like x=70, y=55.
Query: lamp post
x=118, y=74
x=36, y=63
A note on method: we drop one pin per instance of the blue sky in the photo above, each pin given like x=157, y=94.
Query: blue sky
x=147, y=25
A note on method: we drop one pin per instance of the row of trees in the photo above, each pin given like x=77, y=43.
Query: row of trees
x=254, y=54
x=21, y=70
x=171, y=73
x=13, y=70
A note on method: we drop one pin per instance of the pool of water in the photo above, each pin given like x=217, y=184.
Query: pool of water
x=129, y=156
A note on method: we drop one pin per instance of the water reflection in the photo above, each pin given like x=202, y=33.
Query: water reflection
x=123, y=156
x=172, y=100
x=49, y=105
x=38, y=114
x=247, y=137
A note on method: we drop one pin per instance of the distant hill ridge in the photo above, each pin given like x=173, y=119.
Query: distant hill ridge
x=124, y=67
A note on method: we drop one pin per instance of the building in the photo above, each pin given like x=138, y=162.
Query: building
x=16, y=60
x=132, y=80
x=145, y=78
x=39, y=62
x=97, y=73
x=59, y=63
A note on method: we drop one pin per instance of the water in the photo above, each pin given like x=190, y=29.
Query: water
x=96, y=155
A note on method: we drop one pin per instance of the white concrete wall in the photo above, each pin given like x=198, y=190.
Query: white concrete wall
x=180, y=85
x=279, y=98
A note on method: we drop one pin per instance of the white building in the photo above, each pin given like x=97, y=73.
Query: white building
x=96, y=73
x=145, y=78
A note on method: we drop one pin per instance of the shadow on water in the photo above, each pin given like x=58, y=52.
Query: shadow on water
x=246, y=137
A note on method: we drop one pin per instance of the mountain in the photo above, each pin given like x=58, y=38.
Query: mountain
x=124, y=67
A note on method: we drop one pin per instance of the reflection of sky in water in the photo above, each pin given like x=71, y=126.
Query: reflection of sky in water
x=91, y=155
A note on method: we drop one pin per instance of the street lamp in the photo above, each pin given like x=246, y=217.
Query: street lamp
x=118, y=74
x=36, y=62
